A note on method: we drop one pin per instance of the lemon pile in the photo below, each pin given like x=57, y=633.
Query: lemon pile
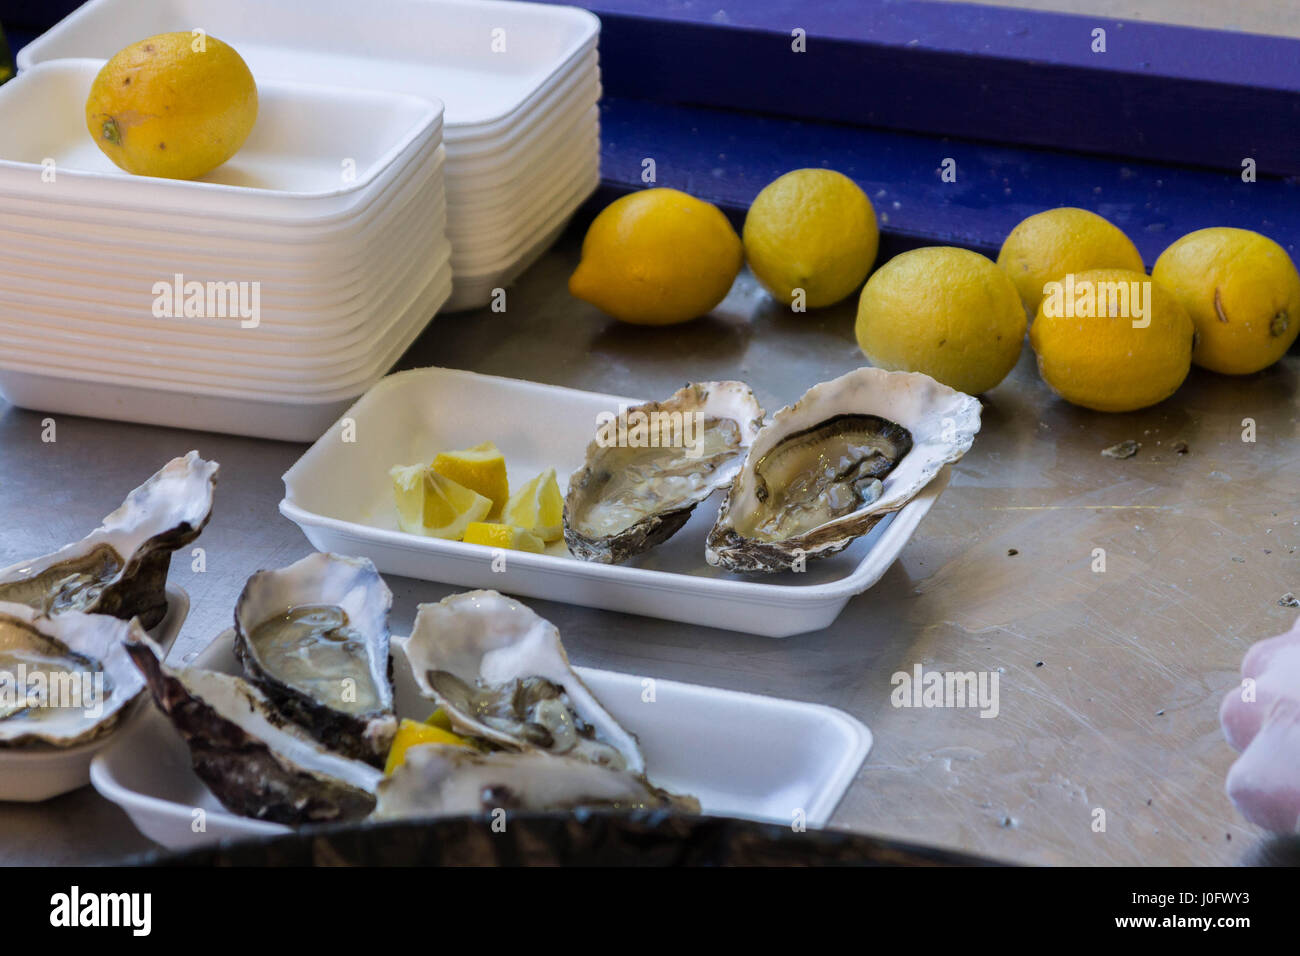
x=465, y=496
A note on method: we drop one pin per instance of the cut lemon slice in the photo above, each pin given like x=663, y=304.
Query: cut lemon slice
x=503, y=536
x=412, y=733
x=538, y=507
x=432, y=504
x=481, y=469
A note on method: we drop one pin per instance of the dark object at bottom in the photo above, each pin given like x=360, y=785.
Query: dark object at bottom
x=648, y=838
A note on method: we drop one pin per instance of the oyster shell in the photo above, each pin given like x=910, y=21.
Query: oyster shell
x=499, y=672
x=438, y=780
x=637, y=489
x=254, y=762
x=314, y=636
x=120, y=568
x=64, y=680
x=829, y=467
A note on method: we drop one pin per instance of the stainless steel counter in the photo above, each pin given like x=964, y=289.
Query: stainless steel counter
x=1109, y=682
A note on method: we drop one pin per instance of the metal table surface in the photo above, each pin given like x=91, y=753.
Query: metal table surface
x=1109, y=682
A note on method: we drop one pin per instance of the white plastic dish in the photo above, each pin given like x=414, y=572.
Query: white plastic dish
x=742, y=755
x=31, y=774
x=341, y=496
x=443, y=48
x=287, y=417
x=152, y=371
x=292, y=159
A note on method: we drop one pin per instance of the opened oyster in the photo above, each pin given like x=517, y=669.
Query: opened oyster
x=64, y=680
x=253, y=761
x=649, y=467
x=120, y=568
x=829, y=467
x=438, y=780
x=314, y=637
x=499, y=672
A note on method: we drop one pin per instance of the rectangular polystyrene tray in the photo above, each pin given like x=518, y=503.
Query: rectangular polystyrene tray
x=487, y=60
x=741, y=754
x=292, y=161
x=341, y=496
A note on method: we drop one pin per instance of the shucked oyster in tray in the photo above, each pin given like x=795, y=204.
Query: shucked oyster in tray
x=523, y=731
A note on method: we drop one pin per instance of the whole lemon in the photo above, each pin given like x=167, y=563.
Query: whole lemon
x=1242, y=291
x=811, y=229
x=1050, y=244
x=176, y=105
x=948, y=312
x=1126, y=347
x=657, y=257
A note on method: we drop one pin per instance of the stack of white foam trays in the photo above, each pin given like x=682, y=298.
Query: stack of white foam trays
x=266, y=297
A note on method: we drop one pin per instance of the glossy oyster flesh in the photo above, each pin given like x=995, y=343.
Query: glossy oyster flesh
x=254, y=762
x=829, y=467
x=64, y=680
x=121, y=567
x=649, y=467
x=499, y=672
x=314, y=636
x=438, y=780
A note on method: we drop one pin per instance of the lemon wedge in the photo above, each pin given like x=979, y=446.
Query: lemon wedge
x=432, y=504
x=412, y=733
x=481, y=469
x=503, y=536
x=538, y=507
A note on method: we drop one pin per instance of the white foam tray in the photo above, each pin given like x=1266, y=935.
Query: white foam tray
x=291, y=163
x=31, y=774
x=340, y=494
x=442, y=48
x=741, y=754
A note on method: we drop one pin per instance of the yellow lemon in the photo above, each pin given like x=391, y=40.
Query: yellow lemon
x=1113, y=352
x=950, y=313
x=412, y=733
x=657, y=257
x=432, y=504
x=538, y=507
x=175, y=105
x=503, y=536
x=1046, y=246
x=481, y=469
x=1242, y=291
x=811, y=229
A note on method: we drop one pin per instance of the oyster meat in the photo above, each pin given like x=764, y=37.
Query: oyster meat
x=649, y=467
x=254, y=761
x=64, y=680
x=314, y=636
x=120, y=568
x=440, y=780
x=499, y=672
x=825, y=470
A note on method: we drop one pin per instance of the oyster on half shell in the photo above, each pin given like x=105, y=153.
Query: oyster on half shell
x=120, y=568
x=439, y=780
x=499, y=672
x=314, y=637
x=825, y=470
x=647, y=470
x=64, y=680
x=253, y=760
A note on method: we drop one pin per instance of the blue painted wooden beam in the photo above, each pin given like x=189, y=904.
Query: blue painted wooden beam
x=727, y=157
x=1167, y=93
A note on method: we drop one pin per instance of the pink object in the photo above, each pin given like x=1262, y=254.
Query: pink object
x=1261, y=718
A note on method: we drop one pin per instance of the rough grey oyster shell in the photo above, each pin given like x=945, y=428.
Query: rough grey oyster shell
x=333, y=680
x=254, y=761
x=625, y=500
x=121, y=567
x=825, y=470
